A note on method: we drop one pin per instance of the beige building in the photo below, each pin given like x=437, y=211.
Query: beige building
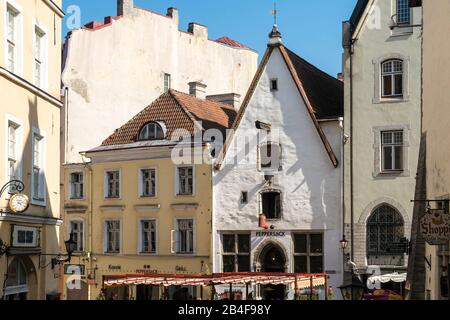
x=30, y=69
x=382, y=75
x=138, y=209
x=436, y=115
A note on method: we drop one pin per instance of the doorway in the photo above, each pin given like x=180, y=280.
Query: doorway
x=273, y=260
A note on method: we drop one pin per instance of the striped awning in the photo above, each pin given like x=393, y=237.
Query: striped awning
x=300, y=281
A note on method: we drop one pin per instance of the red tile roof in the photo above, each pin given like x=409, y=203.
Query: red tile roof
x=230, y=42
x=178, y=111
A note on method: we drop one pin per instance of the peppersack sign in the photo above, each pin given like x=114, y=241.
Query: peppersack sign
x=435, y=227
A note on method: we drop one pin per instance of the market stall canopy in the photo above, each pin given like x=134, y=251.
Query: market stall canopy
x=301, y=281
x=385, y=278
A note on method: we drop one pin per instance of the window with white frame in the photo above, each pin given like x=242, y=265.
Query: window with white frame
x=24, y=237
x=236, y=253
x=185, y=179
x=167, y=82
x=39, y=56
x=77, y=231
x=392, y=78
x=12, y=37
x=148, y=236
x=13, y=157
x=392, y=151
x=185, y=236
x=76, y=185
x=403, y=12
x=148, y=182
x=308, y=253
x=112, y=230
x=38, y=177
x=112, y=181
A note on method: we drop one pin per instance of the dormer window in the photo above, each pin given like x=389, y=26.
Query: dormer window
x=152, y=131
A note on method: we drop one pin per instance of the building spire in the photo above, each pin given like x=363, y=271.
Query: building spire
x=275, y=38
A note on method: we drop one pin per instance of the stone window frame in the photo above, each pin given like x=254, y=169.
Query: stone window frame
x=378, y=172
x=377, y=64
x=361, y=226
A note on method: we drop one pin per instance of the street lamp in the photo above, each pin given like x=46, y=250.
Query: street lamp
x=344, y=243
x=352, y=288
x=3, y=248
x=71, y=246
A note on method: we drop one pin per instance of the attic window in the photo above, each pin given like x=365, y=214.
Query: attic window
x=271, y=204
x=273, y=84
x=152, y=131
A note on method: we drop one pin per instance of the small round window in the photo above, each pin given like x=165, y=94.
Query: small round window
x=152, y=131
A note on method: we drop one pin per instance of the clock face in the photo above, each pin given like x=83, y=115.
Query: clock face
x=19, y=203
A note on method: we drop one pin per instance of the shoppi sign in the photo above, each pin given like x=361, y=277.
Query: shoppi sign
x=435, y=227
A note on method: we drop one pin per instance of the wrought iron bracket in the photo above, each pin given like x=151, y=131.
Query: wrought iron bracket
x=17, y=187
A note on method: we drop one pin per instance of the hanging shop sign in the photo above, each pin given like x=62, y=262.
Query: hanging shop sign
x=435, y=227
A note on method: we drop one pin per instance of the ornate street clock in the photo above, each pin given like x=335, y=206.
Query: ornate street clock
x=19, y=203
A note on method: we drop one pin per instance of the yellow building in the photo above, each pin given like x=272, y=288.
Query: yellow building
x=135, y=208
x=30, y=68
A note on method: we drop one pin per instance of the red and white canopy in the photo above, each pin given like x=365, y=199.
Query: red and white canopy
x=300, y=281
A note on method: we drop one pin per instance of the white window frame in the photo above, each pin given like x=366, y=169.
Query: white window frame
x=105, y=237
x=177, y=181
x=140, y=238
x=15, y=237
x=10, y=119
x=141, y=182
x=44, y=59
x=42, y=201
x=105, y=186
x=392, y=146
x=71, y=185
x=176, y=240
x=168, y=77
x=378, y=94
x=18, y=53
x=69, y=231
x=378, y=172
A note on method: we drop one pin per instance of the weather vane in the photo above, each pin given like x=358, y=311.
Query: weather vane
x=275, y=13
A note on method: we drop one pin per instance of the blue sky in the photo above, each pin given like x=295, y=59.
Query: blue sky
x=311, y=28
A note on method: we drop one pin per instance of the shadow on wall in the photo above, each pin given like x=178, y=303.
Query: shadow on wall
x=34, y=274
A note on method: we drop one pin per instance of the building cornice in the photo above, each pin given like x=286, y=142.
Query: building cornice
x=30, y=87
x=52, y=5
x=4, y=216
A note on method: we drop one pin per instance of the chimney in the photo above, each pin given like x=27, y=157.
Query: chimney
x=198, y=30
x=232, y=99
x=173, y=13
x=197, y=89
x=125, y=7
x=340, y=76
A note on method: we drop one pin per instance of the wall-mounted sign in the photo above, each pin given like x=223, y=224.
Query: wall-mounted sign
x=112, y=267
x=278, y=234
x=435, y=227
x=180, y=269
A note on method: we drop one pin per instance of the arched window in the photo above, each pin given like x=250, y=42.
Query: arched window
x=17, y=274
x=384, y=230
x=152, y=131
x=392, y=78
x=270, y=156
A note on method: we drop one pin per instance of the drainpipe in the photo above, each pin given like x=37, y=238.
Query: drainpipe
x=352, y=237
x=88, y=166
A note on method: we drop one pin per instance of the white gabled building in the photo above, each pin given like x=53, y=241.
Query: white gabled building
x=288, y=169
